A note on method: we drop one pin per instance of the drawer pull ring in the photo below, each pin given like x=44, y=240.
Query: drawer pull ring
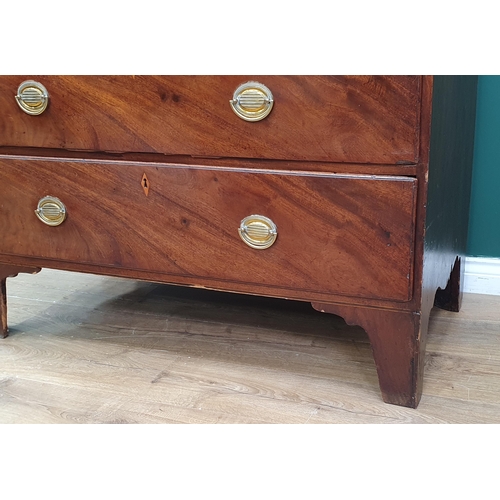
x=258, y=231
x=252, y=101
x=51, y=211
x=32, y=97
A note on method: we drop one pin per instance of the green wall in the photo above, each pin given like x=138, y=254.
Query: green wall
x=484, y=221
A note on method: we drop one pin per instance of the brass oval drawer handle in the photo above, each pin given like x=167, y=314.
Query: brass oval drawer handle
x=258, y=231
x=252, y=101
x=51, y=211
x=32, y=97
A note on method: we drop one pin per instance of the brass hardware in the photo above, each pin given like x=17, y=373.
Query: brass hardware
x=32, y=97
x=145, y=184
x=51, y=211
x=258, y=231
x=252, y=101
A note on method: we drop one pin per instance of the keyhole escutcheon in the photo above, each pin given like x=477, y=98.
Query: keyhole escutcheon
x=145, y=184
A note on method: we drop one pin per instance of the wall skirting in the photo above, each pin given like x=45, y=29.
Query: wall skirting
x=482, y=275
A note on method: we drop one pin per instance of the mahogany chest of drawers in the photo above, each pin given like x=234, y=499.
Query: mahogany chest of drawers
x=351, y=193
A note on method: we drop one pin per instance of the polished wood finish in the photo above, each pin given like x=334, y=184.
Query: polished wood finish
x=149, y=159
x=445, y=197
x=448, y=190
x=4, y=330
x=450, y=297
x=360, y=119
x=364, y=225
x=367, y=179
x=394, y=339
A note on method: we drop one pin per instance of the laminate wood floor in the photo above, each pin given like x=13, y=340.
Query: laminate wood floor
x=91, y=349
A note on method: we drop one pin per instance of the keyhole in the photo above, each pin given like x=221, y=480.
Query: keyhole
x=145, y=184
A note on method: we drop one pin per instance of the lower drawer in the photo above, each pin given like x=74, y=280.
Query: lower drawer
x=336, y=234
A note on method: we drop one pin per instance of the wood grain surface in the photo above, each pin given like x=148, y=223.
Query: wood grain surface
x=361, y=119
x=394, y=337
x=444, y=196
x=90, y=349
x=374, y=249
x=337, y=234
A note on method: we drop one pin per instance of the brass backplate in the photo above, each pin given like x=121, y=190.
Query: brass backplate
x=32, y=97
x=51, y=211
x=258, y=231
x=252, y=101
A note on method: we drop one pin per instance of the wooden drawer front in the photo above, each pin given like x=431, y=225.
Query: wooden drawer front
x=357, y=119
x=337, y=234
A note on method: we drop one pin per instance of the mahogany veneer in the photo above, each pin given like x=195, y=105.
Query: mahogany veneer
x=366, y=178
x=355, y=119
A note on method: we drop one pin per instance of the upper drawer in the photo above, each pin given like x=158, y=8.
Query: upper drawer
x=359, y=119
